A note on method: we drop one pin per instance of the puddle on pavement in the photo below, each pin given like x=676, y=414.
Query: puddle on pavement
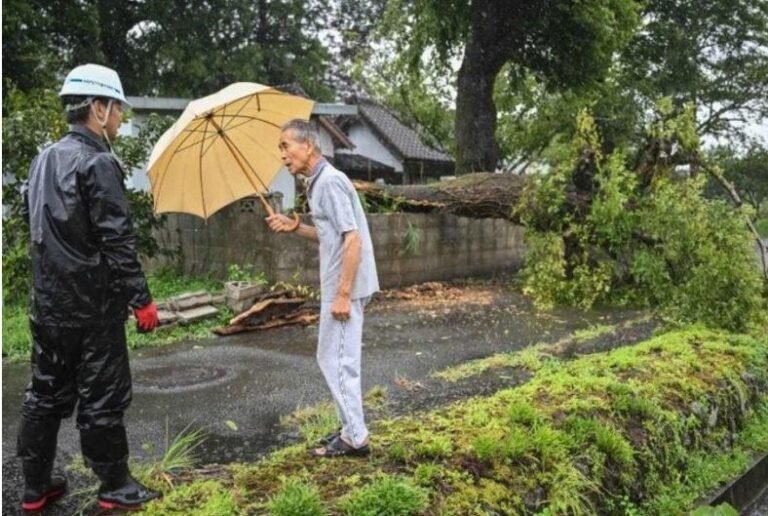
x=168, y=379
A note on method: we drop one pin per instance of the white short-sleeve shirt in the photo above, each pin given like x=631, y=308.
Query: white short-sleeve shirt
x=336, y=209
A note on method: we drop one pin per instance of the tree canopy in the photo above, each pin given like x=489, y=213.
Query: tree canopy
x=565, y=44
x=182, y=48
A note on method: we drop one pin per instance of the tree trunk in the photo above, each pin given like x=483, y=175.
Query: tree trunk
x=476, y=148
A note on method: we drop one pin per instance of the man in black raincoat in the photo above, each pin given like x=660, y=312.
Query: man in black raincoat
x=85, y=277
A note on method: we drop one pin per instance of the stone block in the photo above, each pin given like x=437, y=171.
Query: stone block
x=166, y=317
x=189, y=300
x=197, y=313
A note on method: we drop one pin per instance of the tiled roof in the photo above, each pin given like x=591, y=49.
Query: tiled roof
x=344, y=161
x=404, y=139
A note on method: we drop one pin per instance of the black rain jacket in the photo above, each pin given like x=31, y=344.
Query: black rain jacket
x=84, y=263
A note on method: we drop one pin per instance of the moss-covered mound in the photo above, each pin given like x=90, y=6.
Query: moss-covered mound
x=639, y=430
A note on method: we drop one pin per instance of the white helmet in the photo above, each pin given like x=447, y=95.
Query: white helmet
x=92, y=80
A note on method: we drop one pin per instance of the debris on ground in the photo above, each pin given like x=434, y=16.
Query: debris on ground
x=272, y=310
x=436, y=294
x=434, y=289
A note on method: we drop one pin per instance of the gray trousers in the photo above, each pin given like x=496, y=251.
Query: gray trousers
x=338, y=355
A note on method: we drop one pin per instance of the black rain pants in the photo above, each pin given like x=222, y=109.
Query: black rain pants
x=85, y=367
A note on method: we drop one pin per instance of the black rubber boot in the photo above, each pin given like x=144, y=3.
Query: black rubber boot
x=36, y=445
x=40, y=488
x=119, y=490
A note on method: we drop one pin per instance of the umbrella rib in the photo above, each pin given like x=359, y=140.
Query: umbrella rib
x=267, y=92
x=210, y=144
x=212, y=136
x=256, y=175
x=255, y=118
x=186, y=137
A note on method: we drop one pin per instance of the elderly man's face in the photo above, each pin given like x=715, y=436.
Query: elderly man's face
x=295, y=154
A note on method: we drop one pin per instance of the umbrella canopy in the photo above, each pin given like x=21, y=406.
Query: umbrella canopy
x=222, y=148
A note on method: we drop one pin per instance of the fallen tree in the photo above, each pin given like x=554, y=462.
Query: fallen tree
x=481, y=195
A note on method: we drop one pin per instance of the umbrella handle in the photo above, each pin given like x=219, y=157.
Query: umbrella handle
x=296, y=222
x=270, y=212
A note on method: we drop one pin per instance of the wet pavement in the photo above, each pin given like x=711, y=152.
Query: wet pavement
x=760, y=506
x=238, y=387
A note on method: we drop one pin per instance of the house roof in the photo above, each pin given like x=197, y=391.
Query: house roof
x=334, y=130
x=347, y=161
x=356, y=166
x=399, y=136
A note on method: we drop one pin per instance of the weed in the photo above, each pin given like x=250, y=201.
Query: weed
x=426, y=473
x=522, y=413
x=486, y=447
x=412, y=241
x=434, y=446
x=180, y=453
x=516, y=445
x=570, y=491
x=386, y=495
x=610, y=441
x=550, y=444
x=397, y=452
x=376, y=397
x=297, y=498
x=313, y=422
x=208, y=498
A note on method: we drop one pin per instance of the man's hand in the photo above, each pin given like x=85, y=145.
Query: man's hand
x=341, y=308
x=280, y=223
x=146, y=316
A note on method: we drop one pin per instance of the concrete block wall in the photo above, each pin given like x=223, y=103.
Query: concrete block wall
x=410, y=248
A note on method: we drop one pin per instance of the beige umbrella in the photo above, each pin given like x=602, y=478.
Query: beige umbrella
x=222, y=148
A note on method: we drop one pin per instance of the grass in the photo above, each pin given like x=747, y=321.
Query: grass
x=609, y=433
x=17, y=341
x=533, y=357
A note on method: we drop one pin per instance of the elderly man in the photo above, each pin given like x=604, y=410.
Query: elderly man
x=347, y=280
x=85, y=277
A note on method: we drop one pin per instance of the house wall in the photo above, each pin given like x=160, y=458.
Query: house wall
x=442, y=246
x=326, y=141
x=138, y=179
x=368, y=145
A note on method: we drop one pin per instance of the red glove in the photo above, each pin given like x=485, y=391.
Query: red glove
x=146, y=316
